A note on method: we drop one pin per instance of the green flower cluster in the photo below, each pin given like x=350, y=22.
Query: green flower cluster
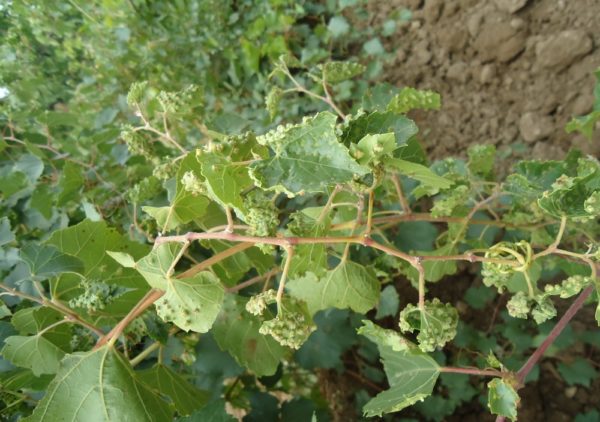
x=97, y=295
x=436, y=323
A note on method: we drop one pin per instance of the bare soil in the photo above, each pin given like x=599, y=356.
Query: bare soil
x=510, y=72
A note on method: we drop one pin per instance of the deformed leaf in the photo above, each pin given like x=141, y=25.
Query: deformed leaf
x=99, y=385
x=502, y=399
x=385, y=338
x=236, y=331
x=349, y=285
x=574, y=196
x=154, y=267
x=307, y=158
x=411, y=373
x=410, y=98
x=373, y=148
x=336, y=71
x=272, y=100
x=192, y=303
x=185, y=396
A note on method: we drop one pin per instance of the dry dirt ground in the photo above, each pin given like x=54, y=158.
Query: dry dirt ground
x=511, y=72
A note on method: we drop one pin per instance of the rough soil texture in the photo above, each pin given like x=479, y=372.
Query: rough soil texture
x=510, y=71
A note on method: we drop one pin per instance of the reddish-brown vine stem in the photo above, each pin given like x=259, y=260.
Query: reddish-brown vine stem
x=150, y=297
x=558, y=328
x=473, y=371
x=214, y=259
x=415, y=216
x=291, y=241
x=57, y=306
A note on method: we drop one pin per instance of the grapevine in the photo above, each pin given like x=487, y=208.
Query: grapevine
x=178, y=245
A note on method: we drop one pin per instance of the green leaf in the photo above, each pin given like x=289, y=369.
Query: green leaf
x=122, y=258
x=19, y=379
x=185, y=396
x=446, y=204
x=338, y=26
x=45, y=261
x=413, y=152
x=154, y=267
x=410, y=99
x=530, y=178
x=42, y=199
x=411, y=373
x=502, y=399
x=4, y=310
x=373, y=47
x=309, y=257
x=185, y=206
x=99, y=386
x=574, y=196
x=577, y=372
x=373, y=148
x=213, y=412
x=32, y=320
x=225, y=181
x=71, y=182
x=307, y=158
x=434, y=270
x=89, y=241
x=379, y=123
x=12, y=183
x=419, y=172
x=349, y=285
x=388, y=302
x=236, y=331
x=36, y=353
x=335, y=334
x=191, y=303
x=31, y=165
x=481, y=159
x=6, y=235
x=584, y=124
